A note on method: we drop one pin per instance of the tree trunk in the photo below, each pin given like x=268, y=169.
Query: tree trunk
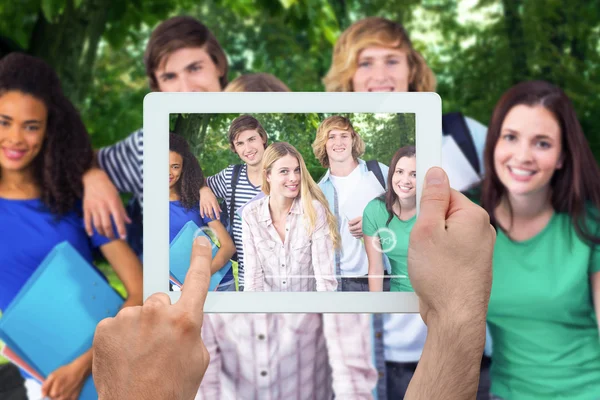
x=188, y=126
x=202, y=135
x=516, y=40
x=70, y=44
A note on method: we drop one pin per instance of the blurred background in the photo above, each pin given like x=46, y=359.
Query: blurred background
x=476, y=48
x=382, y=133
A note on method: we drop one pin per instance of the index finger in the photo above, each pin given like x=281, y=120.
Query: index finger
x=197, y=279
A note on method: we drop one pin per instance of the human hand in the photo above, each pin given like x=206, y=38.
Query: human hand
x=450, y=254
x=66, y=382
x=209, y=205
x=155, y=351
x=101, y=201
x=355, y=226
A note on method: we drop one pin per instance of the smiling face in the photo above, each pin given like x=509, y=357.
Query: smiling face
x=190, y=69
x=23, y=121
x=250, y=147
x=381, y=69
x=528, y=151
x=284, y=177
x=404, y=180
x=339, y=146
x=175, y=168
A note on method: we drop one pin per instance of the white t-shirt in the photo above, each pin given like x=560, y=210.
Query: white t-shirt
x=354, y=261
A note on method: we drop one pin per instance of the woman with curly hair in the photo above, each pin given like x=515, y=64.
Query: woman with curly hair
x=44, y=152
x=185, y=181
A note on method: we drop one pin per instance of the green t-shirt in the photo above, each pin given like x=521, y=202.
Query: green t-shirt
x=393, y=238
x=541, y=316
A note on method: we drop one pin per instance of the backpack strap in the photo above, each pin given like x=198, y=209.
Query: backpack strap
x=234, y=181
x=454, y=124
x=373, y=165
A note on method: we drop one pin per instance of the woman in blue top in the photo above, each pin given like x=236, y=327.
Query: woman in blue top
x=185, y=181
x=44, y=151
x=388, y=220
x=543, y=195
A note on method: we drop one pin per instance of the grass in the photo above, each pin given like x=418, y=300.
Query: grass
x=112, y=277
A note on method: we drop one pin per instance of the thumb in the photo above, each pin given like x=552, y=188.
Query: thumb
x=435, y=199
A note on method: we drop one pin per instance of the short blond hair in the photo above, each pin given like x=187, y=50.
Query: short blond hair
x=341, y=123
x=257, y=82
x=380, y=32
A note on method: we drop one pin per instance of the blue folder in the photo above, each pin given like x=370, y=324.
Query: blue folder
x=180, y=253
x=53, y=318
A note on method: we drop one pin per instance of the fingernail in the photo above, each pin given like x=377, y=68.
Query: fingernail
x=202, y=241
x=435, y=176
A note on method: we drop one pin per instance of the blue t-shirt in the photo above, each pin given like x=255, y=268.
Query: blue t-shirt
x=179, y=216
x=28, y=232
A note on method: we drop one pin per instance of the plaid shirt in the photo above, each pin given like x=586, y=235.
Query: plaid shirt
x=301, y=263
x=288, y=356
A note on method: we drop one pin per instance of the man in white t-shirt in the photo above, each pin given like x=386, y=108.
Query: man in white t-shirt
x=338, y=147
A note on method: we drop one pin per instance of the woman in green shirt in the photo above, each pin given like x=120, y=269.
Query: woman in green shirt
x=388, y=220
x=543, y=196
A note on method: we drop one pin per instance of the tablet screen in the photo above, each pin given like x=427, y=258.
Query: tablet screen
x=294, y=202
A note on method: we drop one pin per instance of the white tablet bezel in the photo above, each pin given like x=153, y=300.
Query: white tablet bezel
x=427, y=108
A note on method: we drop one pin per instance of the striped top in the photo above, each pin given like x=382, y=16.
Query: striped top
x=220, y=184
x=124, y=164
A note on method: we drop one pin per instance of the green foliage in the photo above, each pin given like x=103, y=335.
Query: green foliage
x=383, y=135
x=475, y=60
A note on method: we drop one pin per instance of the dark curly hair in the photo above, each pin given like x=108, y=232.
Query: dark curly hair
x=66, y=152
x=192, y=179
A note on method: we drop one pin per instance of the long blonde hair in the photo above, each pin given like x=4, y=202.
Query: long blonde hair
x=379, y=32
x=309, y=190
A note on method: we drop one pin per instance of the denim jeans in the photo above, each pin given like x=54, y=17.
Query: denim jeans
x=12, y=384
x=400, y=374
x=361, y=284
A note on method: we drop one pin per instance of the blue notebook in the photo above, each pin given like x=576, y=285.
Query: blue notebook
x=53, y=318
x=180, y=253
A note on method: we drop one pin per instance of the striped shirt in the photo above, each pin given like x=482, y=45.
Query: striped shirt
x=287, y=356
x=124, y=164
x=220, y=184
x=303, y=262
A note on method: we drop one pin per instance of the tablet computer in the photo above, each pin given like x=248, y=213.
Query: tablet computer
x=314, y=181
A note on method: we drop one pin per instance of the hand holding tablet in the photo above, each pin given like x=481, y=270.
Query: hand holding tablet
x=155, y=350
x=310, y=230
x=144, y=349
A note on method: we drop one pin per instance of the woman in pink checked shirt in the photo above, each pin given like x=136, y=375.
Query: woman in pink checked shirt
x=289, y=235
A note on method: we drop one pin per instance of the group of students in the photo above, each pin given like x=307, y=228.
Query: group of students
x=540, y=187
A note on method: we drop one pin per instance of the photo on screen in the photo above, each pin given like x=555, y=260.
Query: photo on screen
x=294, y=202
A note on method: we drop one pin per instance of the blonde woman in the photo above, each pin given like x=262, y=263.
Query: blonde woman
x=376, y=55
x=289, y=235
